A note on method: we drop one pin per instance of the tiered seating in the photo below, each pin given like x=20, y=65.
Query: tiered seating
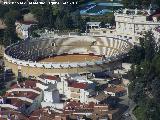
x=36, y=49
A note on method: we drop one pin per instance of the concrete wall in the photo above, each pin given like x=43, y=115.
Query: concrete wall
x=35, y=71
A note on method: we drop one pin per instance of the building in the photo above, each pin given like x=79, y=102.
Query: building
x=93, y=25
x=11, y=114
x=91, y=110
x=26, y=57
x=47, y=114
x=22, y=28
x=24, y=97
x=80, y=91
x=49, y=79
x=133, y=23
x=116, y=91
x=79, y=78
x=51, y=94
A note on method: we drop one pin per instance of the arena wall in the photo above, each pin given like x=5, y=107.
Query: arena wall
x=17, y=56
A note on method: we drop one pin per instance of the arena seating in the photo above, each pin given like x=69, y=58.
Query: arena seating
x=37, y=49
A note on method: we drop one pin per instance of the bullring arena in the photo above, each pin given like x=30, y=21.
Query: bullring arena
x=79, y=54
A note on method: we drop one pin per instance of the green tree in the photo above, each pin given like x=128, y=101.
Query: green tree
x=136, y=55
x=10, y=35
x=145, y=79
x=58, y=23
x=3, y=10
x=11, y=17
x=149, y=46
x=136, y=3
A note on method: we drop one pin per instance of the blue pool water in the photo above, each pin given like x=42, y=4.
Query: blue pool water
x=110, y=4
x=102, y=12
x=93, y=8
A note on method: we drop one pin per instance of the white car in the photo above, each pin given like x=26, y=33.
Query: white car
x=127, y=114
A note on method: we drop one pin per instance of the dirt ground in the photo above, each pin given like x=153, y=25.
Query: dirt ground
x=71, y=58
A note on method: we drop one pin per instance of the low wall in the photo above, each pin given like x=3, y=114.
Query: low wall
x=36, y=71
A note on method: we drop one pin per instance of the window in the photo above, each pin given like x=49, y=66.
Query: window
x=53, y=44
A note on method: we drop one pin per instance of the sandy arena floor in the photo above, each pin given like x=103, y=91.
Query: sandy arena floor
x=71, y=58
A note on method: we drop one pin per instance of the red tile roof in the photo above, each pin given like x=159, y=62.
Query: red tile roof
x=17, y=102
x=27, y=94
x=79, y=85
x=74, y=105
x=115, y=89
x=49, y=77
x=42, y=114
x=26, y=84
x=13, y=115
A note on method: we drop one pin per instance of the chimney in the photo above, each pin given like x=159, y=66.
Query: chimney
x=23, y=84
x=49, y=111
x=40, y=116
x=97, y=93
x=109, y=85
x=16, y=117
x=18, y=84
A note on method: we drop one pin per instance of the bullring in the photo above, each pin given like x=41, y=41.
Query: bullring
x=78, y=54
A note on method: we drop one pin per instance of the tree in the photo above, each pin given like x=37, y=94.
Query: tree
x=3, y=10
x=149, y=46
x=157, y=2
x=58, y=23
x=44, y=15
x=136, y=55
x=11, y=17
x=156, y=64
x=10, y=35
x=145, y=79
x=156, y=88
x=136, y=3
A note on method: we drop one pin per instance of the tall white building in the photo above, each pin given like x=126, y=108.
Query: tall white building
x=133, y=23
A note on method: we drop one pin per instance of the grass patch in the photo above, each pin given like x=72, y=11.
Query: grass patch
x=139, y=112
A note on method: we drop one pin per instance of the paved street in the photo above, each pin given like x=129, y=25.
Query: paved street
x=7, y=78
x=127, y=115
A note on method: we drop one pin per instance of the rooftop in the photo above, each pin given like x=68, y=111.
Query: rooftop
x=27, y=94
x=73, y=105
x=43, y=114
x=49, y=77
x=115, y=89
x=79, y=85
x=12, y=114
x=16, y=102
x=26, y=84
x=101, y=96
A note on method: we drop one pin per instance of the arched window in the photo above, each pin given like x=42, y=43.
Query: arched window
x=53, y=44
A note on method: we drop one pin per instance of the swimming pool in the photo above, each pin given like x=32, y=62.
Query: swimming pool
x=111, y=4
x=98, y=10
x=93, y=8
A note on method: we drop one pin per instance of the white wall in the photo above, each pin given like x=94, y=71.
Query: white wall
x=52, y=96
x=41, y=86
x=133, y=24
x=52, y=105
x=110, y=93
x=63, y=87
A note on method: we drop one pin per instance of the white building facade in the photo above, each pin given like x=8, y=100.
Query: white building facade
x=133, y=23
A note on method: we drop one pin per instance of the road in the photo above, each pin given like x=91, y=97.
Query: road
x=7, y=78
x=131, y=105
